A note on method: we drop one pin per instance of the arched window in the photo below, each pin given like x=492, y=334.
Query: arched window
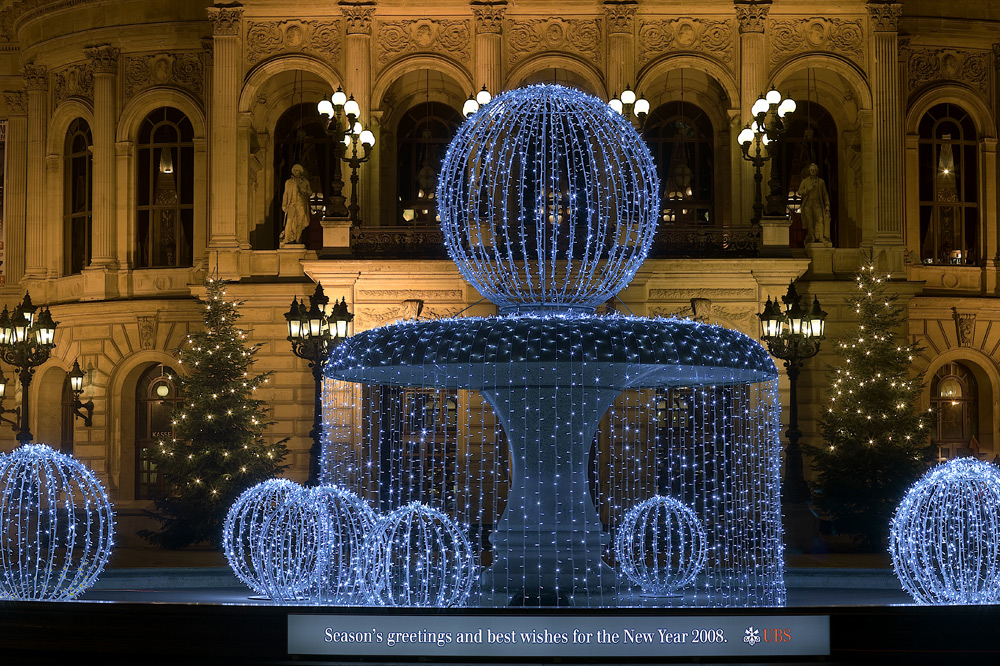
x=423, y=136
x=954, y=398
x=78, y=169
x=680, y=136
x=165, y=190
x=810, y=138
x=949, y=196
x=155, y=399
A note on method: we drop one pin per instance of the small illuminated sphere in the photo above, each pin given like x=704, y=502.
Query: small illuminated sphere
x=241, y=530
x=661, y=545
x=548, y=200
x=309, y=549
x=945, y=535
x=56, y=525
x=418, y=556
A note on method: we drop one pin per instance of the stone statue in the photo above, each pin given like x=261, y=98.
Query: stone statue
x=815, y=206
x=295, y=204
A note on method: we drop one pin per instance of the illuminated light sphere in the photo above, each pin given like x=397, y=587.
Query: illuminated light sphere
x=661, y=545
x=548, y=200
x=310, y=547
x=945, y=535
x=241, y=530
x=418, y=556
x=56, y=525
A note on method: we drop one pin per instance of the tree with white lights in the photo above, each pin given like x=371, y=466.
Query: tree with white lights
x=217, y=450
x=876, y=437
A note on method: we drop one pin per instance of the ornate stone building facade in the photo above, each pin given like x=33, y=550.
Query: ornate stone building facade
x=146, y=145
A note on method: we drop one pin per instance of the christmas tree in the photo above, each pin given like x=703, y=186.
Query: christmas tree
x=875, y=434
x=217, y=449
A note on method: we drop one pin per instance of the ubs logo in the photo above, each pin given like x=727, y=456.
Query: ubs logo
x=776, y=635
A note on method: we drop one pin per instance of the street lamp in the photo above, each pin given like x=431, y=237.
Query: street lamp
x=26, y=341
x=313, y=332
x=793, y=335
x=342, y=113
x=634, y=107
x=476, y=101
x=762, y=134
x=76, y=376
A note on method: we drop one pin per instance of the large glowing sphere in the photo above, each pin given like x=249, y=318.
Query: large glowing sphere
x=241, y=531
x=349, y=520
x=945, y=535
x=418, y=556
x=548, y=200
x=56, y=525
x=661, y=545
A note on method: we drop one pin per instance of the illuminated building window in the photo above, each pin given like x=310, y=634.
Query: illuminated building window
x=954, y=398
x=78, y=169
x=680, y=136
x=810, y=138
x=156, y=398
x=424, y=133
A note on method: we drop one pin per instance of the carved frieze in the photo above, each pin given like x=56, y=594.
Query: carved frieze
x=927, y=65
x=489, y=16
x=184, y=70
x=73, y=81
x=267, y=38
x=411, y=294
x=16, y=101
x=715, y=293
x=526, y=37
x=396, y=38
x=686, y=34
x=843, y=36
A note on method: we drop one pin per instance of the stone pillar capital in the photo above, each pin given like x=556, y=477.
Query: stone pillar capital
x=489, y=16
x=226, y=19
x=620, y=15
x=752, y=14
x=36, y=77
x=884, y=15
x=17, y=102
x=358, y=17
x=103, y=58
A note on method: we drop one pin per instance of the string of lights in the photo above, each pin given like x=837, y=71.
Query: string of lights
x=242, y=527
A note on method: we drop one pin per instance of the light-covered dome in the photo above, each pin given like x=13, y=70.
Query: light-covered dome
x=548, y=200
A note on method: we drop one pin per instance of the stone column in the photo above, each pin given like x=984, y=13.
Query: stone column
x=888, y=125
x=752, y=17
x=358, y=82
x=16, y=194
x=992, y=216
x=489, y=45
x=104, y=60
x=226, y=84
x=36, y=81
x=621, y=45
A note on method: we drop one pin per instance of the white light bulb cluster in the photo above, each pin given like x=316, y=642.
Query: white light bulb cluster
x=56, y=525
x=246, y=518
x=660, y=545
x=945, y=535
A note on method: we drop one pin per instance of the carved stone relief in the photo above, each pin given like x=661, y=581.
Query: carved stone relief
x=927, y=65
x=185, y=70
x=16, y=101
x=580, y=36
x=751, y=15
x=268, y=38
x=73, y=81
x=396, y=38
x=225, y=20
x=489, y=16
x=411, y=294
x=885, y=16
x=686, y=34
x=36, y=77
x=147, y=332
x=966, y=325
x=358, y=16
x=713, y=293
x=620, y=15
x=841, y=36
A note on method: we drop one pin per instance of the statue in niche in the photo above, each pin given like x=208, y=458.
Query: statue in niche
x=815, y=206
x=295, y=204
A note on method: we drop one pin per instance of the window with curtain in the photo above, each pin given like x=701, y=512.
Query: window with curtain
x=78, y=169
x=155, y=399
x=680, y=136
x=165, y=190
x=948, y=186
x=423, y=136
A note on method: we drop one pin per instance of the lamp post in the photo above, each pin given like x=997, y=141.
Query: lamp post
x=313, y=332
x=342, y=113
x=793, y=335
x=634, y=107
x=26, y=341
x=764, y=130
x=476, y=101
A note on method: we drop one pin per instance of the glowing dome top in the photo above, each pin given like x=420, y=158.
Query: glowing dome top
x=548, y=200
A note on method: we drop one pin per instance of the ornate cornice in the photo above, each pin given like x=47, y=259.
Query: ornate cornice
x=489, y=16
x=358, y=17
x=752, y=14
x=36, y=77
x=884, y=15
x=620, y=15
x=104, y=58
x=17, y=102
x=226, y=19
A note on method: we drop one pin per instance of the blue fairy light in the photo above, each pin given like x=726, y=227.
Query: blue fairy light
x=56, y=525
x=246, y=517
x=945, y=535
x=418, y=556
x=661, y=545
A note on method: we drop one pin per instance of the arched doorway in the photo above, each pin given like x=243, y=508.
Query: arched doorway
x=954, y=399
x=156, y=398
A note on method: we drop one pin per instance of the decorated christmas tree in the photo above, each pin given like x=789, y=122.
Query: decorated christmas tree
x=217, y=449
x=875, y=435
